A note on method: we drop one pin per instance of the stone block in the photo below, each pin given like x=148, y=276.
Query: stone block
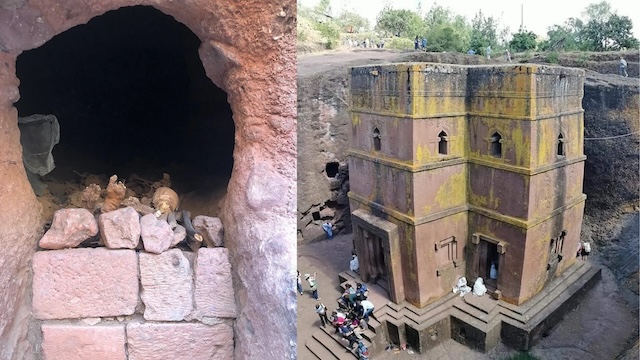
x=69, y=228
x=211, y=229
x=214, y=294
x=81, y=283
x=167, y=285
x=82, y=342
x=120, y=228
x=179, y=341
x=157, y=235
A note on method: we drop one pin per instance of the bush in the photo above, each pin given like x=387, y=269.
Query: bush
x=399, y=44
x=553, y=57
x=582, y=59
x=301, y=35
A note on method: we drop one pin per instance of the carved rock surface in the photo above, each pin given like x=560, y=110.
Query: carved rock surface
x=214, y=295
x=66, y=341
x=211, y=229
x=69, y=228
x=157, y=235
x=120, y=229
x=180, y=341
x=167, y=290
x=81, y=283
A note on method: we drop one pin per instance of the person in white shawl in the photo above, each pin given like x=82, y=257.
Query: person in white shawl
x=478, y=287
x=354, y=264
x=461, y=287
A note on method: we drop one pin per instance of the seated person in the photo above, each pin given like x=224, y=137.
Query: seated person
x=478, y=287
x=362, y=292
x=461, y=287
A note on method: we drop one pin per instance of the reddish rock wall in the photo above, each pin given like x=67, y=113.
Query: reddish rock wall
x=258, y=213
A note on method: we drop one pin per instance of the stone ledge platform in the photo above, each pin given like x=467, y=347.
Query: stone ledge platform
x=479, y=323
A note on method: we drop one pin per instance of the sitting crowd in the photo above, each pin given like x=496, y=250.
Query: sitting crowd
x=351, y=317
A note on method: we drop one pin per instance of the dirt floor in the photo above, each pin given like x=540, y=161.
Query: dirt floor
x=603, y=326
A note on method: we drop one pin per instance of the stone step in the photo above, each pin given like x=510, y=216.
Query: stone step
x=536, y=315
x=319, y=350
x=475, y=312
x=337, y=348
x=557, y=291
x=338, y=340
x=541, y=296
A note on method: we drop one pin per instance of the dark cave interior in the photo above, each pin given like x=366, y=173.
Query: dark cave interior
x=131, y=96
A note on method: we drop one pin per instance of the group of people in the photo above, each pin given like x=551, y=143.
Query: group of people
x=350, y=317
x=420, y=43
x=366, y=43
x=479, y=289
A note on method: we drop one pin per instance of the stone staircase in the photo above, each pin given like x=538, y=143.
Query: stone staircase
x=326, y=345
x=479, y=322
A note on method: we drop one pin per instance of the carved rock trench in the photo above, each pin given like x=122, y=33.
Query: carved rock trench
x=258, y=213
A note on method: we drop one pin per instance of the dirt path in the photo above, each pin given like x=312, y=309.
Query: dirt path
x=310, y=64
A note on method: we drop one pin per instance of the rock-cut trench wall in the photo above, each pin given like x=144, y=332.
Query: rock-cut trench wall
x=259, y=210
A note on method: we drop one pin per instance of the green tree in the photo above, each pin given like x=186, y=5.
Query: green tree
x=613, y=34
x=402, y=23
x=446, y=31
x=484, y=32
x=523, y=40
x=350, y=18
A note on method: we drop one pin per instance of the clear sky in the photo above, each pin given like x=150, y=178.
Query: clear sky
x=538, y=14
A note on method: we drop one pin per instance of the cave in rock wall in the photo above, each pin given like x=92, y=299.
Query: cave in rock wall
x=131, y=96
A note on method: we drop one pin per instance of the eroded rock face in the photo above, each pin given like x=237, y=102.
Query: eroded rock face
x=259, y=232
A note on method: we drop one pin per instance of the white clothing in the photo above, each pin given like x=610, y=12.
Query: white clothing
x=461, y=287
x=478, y=287
x=366, y=305
x=354, y=264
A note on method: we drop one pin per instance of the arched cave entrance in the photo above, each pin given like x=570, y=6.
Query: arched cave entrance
x=132, y=98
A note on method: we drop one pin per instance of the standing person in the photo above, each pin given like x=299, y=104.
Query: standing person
x=321, y=310
x=424, y=44
x=488, y=52
x=300, y=284
x=313, y=285
x=382, y=44
x=328, y=228
x=416, y=43
x=623, y=67
x=507, y=55
x=354, y=264
x=586, y=250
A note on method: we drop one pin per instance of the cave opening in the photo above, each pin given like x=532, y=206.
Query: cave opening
x=131, y=96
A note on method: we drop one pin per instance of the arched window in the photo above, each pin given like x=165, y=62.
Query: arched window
x=560, y=145
x=443, y=147
x=376, y=140
x=496, y=145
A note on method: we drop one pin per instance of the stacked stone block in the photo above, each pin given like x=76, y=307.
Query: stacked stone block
x=173, y=305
